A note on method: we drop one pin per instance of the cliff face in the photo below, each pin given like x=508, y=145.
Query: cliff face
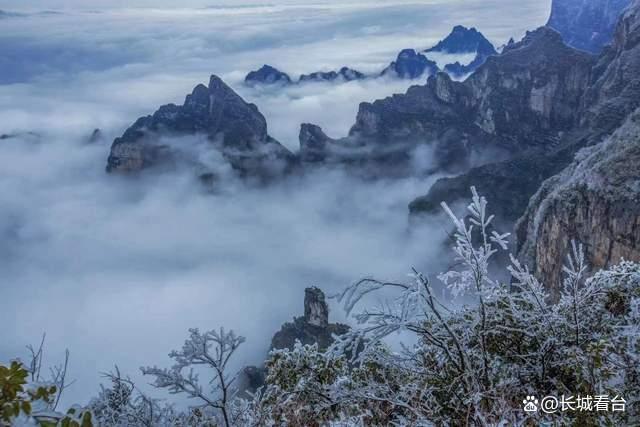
x=595, y=201
x=586, y=24
x=615, y=89
x=521, y=100
x=601, y=105
x=231, y=126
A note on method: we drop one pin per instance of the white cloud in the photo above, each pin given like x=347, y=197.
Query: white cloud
x=118, y=269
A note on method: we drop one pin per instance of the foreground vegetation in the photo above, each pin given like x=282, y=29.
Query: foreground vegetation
x=460, y=366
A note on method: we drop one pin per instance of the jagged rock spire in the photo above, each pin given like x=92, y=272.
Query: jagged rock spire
x=316, y=311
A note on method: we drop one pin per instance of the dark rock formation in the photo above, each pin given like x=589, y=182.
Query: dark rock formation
x=586, y=24
x=313, y=327
x=250, y=380
x=231, y=126
x=507, y=185
x=267, y=75
x=458, y=70
x=32, y=136
x=410, y=65
x=95, y=136
x=592, y=197
x=465, y=40
x=615, y=89
x=595, y=202
x=520, y=101
x=547, y=101
x=346, y=74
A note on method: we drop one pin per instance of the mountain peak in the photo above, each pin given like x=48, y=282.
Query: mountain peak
x=410, y=65
x=267, y=75
x=464, y=40
x=233, y=127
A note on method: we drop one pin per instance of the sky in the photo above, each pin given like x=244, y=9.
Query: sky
x=117, y=269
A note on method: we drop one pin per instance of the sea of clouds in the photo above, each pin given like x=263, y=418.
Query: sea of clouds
x=117, y=269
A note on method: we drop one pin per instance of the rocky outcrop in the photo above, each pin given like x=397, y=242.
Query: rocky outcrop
x=270, y=76
x=312, y=328
x=594, y=202
x=586, y=24
x=267, y=75
x=522, y=100
x=465, y=40
x=216, y=114
x=610, y=95
x=410, y=65
x=507, y=185
x=345, y=74
x=615, y=89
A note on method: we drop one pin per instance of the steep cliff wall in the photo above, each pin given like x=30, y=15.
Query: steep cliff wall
x=522, y=100
x=595, y=201
x=586, y=24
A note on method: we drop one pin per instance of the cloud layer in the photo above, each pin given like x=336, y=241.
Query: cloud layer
x=117, y=269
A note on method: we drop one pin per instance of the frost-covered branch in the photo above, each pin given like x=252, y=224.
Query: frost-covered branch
x=212, y=350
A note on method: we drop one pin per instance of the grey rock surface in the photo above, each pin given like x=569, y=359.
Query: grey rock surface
x=522, y=100
x=312, y=328
x=604, y=101
x=231, y=127
x=594, y=202
x=267, y=75
x=586, y=24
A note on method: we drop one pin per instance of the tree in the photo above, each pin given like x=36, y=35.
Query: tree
x=211, y=350
x=475, y=364
x=23, y=400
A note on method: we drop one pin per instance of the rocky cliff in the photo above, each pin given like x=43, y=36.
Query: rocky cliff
x=595, y=202
x=601, y=104
x=522, y=100
x=615, y=89
x=230, y=126
x=586, y=24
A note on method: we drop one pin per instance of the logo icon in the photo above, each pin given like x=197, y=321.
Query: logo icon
x=530, y=404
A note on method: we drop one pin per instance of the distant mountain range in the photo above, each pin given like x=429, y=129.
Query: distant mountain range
x=526, y=128
x=409, y=64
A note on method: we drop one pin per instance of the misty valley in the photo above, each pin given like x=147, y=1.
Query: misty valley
x=321, y=213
